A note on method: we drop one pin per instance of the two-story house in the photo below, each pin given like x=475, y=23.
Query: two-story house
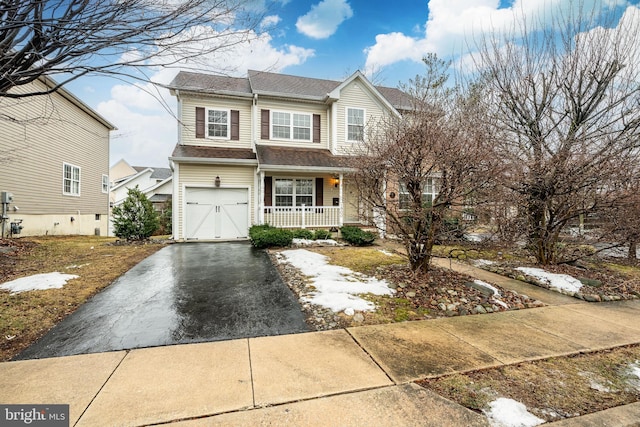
x=268, y=148
x=55, y=162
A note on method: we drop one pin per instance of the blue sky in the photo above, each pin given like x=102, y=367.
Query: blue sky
x=328, y=39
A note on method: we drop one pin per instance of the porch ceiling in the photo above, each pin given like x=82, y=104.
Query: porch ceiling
x=270, y=157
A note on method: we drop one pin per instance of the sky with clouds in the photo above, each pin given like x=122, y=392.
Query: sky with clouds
x=327, y=39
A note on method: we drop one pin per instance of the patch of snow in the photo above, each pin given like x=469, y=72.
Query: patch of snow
x=38, y=282
x=386, y=252
x=474, y=237
x=336, y=288
x=634, y=371
x=482, y=262
x=319, y=242
x=488, y=286
x=504, y=412
x=559, y=282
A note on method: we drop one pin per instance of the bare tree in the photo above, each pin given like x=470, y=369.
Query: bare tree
x=564, y=100
x=66, y=39
x=428, y=166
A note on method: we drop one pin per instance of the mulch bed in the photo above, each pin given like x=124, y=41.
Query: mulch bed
x=598, y=284
x=439, y=293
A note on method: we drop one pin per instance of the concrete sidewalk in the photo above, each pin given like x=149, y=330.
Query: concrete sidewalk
x=353, y=377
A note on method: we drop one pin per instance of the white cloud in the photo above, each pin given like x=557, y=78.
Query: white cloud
x=323, y=19
x=269, y=21
x=453, y=24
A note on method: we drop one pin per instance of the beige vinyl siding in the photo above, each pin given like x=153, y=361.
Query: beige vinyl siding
x=355, y=95
x=204, y=175
x=294, y=107
x=188, y=126
x=45, y=132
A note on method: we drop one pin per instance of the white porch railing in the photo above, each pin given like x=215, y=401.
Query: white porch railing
x=302, y=216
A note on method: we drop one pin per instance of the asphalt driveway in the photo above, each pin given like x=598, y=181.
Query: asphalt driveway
x=191, y=292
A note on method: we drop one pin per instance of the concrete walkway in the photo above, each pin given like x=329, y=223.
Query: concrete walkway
x=352, y=377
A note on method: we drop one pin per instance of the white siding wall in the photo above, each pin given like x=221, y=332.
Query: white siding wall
x=43, y=133
x=204, y=175
x=355, y=95
x=188, y=125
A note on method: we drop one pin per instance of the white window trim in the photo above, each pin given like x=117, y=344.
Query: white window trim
x=434, y=194
x=64, y=165
x=293, y=198
x=346, y=122
x=107, y=182
x=291, y=113
x=206, y=124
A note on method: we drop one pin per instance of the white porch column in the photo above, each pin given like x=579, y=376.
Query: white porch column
x=261, y=198
x=341, y=204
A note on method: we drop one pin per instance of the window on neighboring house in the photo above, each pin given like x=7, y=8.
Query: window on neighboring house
x=429, y=192
x=105, y=183
x=355, y=124
x=70, y=180
x=293, y=126
x=293, y=192
x=218, y=123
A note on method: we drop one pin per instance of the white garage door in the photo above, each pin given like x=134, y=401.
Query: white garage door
x=216, y=213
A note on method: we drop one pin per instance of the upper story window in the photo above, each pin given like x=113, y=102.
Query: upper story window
x=218, y=123
x=70, y=180
x=292, y=126
x=429, y=192
x=293, y=192
x=105, y=183
x=355, y=124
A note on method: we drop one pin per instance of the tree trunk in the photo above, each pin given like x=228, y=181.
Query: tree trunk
x=633, y=249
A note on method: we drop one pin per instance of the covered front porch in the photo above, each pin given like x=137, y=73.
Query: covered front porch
x=304, y=189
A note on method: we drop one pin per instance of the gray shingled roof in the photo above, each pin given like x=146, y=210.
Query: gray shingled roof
x=209, y=83
x=158, y=173
x=196, y=151
x=262, y=82
x=289, y=156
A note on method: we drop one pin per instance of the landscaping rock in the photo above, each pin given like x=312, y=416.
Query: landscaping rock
x=592, y=298
x=479, y=309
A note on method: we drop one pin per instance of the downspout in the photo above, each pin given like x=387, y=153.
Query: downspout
x=175, y=224
x=334, y=130
x=254, y=118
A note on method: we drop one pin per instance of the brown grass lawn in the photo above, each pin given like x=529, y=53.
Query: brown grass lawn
x=27, y=316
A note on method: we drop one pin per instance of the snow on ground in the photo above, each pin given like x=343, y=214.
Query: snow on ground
x=38, y=282
x=386, y=252
x=496, y=294
x=336, y=287
x=320, y=242
x=482, y=262
x=505, y=412
x=558, y=282
x=634, y=373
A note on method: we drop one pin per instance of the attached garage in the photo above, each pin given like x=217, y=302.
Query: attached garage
x=216, y=213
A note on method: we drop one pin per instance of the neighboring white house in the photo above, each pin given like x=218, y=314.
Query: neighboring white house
x=268, y=148
x=55, y=163
x=155, y=183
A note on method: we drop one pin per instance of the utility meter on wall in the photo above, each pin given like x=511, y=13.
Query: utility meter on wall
x=6, y=197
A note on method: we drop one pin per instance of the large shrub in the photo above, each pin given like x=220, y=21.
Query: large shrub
x=357, y=236
x=135, y=218
x=303, y=234
x=322, y=235
x=266, y=236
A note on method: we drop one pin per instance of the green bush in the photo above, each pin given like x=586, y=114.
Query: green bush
x=266, y=236
x=302, y=234
x=135, y=218
x=356, y=236
x=322, y=235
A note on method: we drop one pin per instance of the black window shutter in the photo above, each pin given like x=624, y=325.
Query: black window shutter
x=268, y=188
x=316, y=128
x=319, y=191
x=199, y=122
x=264, y=124
x=235, y=125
